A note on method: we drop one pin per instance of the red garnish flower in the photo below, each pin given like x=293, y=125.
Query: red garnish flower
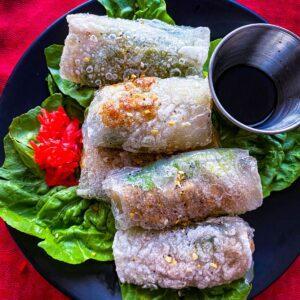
x=59, y=147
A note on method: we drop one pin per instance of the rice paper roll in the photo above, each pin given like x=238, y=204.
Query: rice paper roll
x=96, y=163
x=152, y=115
x=100, y=50
x=186, y=187
x=204, y=255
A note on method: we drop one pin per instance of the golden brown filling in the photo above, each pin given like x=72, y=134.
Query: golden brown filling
x=138, y=105
x=144, y=83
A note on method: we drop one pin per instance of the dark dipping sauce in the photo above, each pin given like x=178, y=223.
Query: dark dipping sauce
x=247, y=94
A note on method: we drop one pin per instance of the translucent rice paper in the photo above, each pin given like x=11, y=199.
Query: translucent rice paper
x=186, y=187
x=100, y=50
x=207, y=254
x=152, y=115
x=96, y=163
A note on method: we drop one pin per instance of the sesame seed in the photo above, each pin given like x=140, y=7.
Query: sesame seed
x=86, y=59
x=180, y=177
x=195, y=256
x=177, y=183
x=168, y=259
x=171, y=123
x=214, y=265
x=154, y=131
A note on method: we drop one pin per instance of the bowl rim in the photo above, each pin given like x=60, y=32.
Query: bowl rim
x=215, y=98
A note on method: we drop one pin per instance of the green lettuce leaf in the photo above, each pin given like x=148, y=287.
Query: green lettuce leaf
x=22, y=130
x=52, y=87
x=237, y=290
x=123, y=9
x=82, y=94
x=153, y=9
x=73, y=108
x=278, y=156
x=53, y=102
x=212, y=46
x=72, y=229
x=135, y=9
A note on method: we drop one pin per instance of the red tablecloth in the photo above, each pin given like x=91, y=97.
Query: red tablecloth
x=20, y=23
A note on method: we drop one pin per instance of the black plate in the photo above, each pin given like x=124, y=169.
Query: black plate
x=276, y=223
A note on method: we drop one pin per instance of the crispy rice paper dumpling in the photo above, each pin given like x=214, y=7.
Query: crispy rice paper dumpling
x=186, y=187
x=152, y=115
x=215, y=252
x=100, y=50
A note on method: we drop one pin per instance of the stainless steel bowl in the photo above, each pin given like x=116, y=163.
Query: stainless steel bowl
x=275, y=51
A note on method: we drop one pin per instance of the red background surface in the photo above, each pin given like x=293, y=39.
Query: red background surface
x=21, y=21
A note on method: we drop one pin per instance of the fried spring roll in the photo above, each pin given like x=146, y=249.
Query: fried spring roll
x=152, y=115
x=207, y=254
x=186, y=187
x=100, y=50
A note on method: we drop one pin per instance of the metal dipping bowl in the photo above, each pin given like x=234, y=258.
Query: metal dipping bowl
x=275, y=51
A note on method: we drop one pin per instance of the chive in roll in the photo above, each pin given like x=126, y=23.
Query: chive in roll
x=186, y=187
x=100, y=50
